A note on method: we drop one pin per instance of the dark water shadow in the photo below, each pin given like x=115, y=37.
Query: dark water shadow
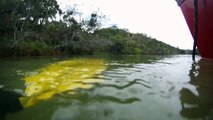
x=199, y=106
x=9, y=103
x=84, y=97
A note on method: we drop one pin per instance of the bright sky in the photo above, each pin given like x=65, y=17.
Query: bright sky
x=160, y=19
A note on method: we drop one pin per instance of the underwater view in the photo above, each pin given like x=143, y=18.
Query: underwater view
x=106, y=88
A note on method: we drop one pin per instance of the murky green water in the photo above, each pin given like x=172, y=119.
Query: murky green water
x=106, y=88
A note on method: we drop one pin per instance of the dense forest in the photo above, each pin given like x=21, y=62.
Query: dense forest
x=31, y=27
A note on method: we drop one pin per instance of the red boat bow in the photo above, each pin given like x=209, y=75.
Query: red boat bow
x=205, y=24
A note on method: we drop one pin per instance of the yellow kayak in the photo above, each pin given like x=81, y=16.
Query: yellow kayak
x=61, y=77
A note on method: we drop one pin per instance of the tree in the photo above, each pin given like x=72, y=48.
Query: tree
x=94, y=23
x=40, y=11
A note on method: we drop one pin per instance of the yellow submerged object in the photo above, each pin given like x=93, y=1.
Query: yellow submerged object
x=61, y=77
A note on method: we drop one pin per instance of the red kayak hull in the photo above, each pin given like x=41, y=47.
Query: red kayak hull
x=205, y=24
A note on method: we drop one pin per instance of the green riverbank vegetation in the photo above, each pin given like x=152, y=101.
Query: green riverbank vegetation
x=34, y=28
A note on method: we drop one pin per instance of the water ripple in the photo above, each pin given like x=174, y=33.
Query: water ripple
x=101, y=98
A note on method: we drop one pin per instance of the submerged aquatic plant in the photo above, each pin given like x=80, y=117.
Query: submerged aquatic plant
x=61, y=77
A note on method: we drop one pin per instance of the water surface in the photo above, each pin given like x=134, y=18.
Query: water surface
x=103, y=88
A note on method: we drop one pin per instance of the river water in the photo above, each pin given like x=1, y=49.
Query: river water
x=106, y=88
